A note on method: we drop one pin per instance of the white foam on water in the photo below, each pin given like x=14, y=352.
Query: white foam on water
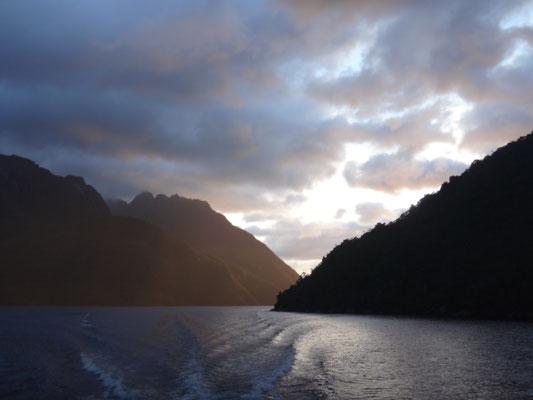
x=279, y=337
x=220, y=349
x=192, y=382
x=267, y=380
x=289, y=334
x=113, y=384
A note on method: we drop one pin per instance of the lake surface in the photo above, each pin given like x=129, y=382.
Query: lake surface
x=252, y=353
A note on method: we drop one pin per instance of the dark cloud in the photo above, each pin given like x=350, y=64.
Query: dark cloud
x=76, y=117
x=393, y=172
x=224, y=145
x=420, y=49
x=194, y=86
x=182, y=51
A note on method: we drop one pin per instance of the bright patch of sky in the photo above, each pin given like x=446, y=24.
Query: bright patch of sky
x=520, y=51
x=519, y=17
x=332, y=112
x=447, y=150
x=236, y=219
x=239, y=219
x=456, y=108
x=358, y=152
x=335, y=193
x=297, y=73
x=348, y=62
x=326, y=197
x=303, y=266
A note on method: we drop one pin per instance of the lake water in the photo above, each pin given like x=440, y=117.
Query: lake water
x=252, y=353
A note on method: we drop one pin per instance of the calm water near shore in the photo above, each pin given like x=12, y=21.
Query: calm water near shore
x=252, y=353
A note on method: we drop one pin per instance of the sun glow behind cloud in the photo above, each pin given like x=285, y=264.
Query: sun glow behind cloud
x=331, y=199
x=304, y=122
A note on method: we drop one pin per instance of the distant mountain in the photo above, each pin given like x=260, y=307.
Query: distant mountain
x=464, y=251
x=59, y=245
x=257, y=269
x=112, y=261
x=30, y=194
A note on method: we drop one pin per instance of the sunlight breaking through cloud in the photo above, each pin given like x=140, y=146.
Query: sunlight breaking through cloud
x=281, y=110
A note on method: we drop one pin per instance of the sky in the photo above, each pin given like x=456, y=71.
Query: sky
x=305, y=122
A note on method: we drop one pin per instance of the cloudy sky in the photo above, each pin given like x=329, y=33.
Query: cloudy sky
x=304, y=122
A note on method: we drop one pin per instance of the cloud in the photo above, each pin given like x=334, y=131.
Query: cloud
x=340, y=213
x=393, y=172
x=415, y=51
x=195, y=86
x=494, y=124
x=418, y=50
x=176, y=50
x=210, y=89
x=262, y=148
x=292, y=239
x=372, y=213
x=412, y=129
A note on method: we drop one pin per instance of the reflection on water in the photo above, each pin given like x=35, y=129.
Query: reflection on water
x=251, y=353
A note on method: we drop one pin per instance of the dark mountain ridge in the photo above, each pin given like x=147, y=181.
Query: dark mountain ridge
x=463, y=251
x=115, y=261
x=195, y=223
x=59, y=245
x=30, y=194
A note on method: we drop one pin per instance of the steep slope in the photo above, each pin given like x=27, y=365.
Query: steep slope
x=59, y=245
x=30, y=194
x=110, y=261
x=193, y=222
x=466, y=250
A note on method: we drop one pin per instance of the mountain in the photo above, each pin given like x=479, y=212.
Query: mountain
x=463, y=251
x=59, y=245
x=112, y=261
x=30, y=194
x=196, y=224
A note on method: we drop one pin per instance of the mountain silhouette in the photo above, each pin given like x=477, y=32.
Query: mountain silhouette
x=463, y=251
x=257, y=269
x=59, y=245
x=30, y=195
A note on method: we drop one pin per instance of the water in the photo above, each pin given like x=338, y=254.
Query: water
x=251, y=353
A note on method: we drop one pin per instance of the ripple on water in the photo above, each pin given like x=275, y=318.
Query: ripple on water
x=231, y=352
